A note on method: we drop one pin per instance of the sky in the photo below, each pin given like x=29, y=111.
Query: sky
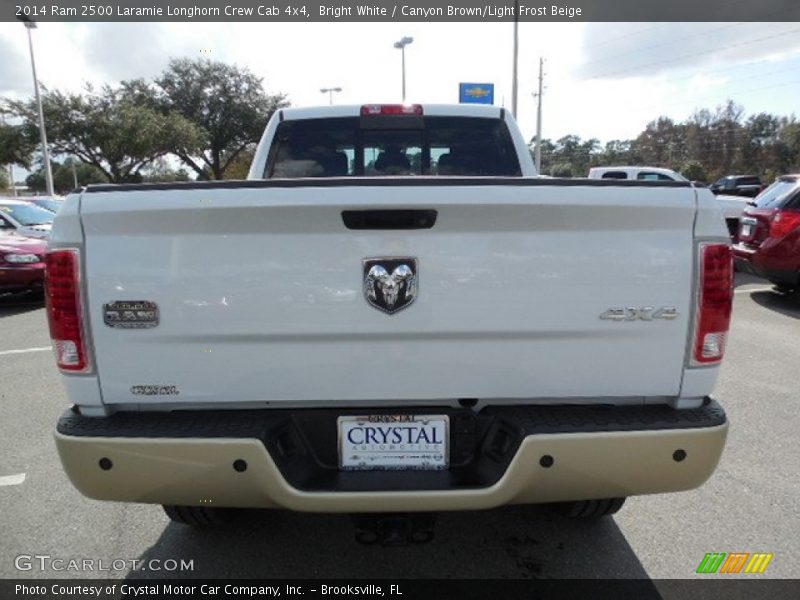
x=603, y=80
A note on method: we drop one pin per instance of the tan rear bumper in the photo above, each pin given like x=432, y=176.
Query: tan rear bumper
x=191, y=471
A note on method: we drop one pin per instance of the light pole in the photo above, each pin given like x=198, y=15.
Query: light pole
x=48, y=174
x=11, y=176
x=515, y=61
x=538, y=96
x=74, y=174
x=401, y=45
x=330, y=92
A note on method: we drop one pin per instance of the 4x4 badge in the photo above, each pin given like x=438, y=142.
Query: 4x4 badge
x=644, y=313
x=390, y=284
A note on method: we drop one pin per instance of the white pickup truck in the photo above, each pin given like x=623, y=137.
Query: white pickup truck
x=393, y=314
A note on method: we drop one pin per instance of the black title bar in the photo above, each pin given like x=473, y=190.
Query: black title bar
x=264, y=11
x=729, y=588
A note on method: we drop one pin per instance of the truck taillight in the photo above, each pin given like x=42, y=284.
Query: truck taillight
x=714, y=303
x=63, y=296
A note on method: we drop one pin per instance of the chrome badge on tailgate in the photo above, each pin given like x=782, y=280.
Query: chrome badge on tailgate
x=390, y=284
x=130, y=314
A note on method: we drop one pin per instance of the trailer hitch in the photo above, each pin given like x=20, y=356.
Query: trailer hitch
x=394, y=529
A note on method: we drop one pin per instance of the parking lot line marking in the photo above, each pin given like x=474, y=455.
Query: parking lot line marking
x=12, y=479
x=751, y=290
x=25, y=350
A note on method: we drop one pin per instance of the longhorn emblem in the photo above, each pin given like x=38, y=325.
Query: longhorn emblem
x=390, y=284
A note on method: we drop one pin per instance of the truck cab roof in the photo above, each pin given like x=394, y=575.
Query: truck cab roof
x=354, y=110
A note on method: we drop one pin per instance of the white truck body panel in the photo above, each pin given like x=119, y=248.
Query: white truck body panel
x=262, y=301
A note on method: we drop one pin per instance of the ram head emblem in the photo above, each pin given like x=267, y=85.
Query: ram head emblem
x=390, y=284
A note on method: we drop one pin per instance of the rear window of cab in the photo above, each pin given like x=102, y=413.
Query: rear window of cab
x=345, y=147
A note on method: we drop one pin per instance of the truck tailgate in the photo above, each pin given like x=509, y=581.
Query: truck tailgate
x=261, y=294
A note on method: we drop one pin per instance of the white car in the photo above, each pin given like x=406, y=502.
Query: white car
x=393, y=314
x=635, y=173
x=25, y=218
x=731, y=207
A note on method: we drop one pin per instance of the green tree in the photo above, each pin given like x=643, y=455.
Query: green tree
x=788, y=147
x=16, y=147
x=562, y=169
x=63, y=179
x=112, y=130
x=615, y=152
x=4, y=180
x=240, y=166
x=573, y=151
x=693, y=170
x=661, y=144
x=226, y=103
x=161, y=172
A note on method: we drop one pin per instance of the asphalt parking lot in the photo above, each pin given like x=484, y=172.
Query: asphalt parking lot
x=749, y=505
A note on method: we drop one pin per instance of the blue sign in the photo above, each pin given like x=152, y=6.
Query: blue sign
x=476, y=93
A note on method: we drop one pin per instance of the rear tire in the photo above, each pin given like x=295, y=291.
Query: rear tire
x=590, y=509
x=199, y=516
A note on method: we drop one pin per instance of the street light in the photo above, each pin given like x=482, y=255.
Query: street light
x=74, y=174
x=330, y=92
x=515, y=61
x=48, y=174
x=401, y=45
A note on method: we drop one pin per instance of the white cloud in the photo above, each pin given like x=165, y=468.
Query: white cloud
x=604, y=80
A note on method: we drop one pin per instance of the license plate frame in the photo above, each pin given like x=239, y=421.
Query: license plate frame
x=380, y=449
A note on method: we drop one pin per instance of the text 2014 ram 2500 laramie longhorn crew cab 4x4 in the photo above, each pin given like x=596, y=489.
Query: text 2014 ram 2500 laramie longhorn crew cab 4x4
x=393, y=314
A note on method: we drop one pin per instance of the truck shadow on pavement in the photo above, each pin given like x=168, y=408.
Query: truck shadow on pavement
x=785, y=304
x=16, y=305
x=514, y=542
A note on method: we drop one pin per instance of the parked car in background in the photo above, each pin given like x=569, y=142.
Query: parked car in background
x=748, y=186
x=768, y=244
x=48, y=203
x=637, y=173
x=25, y=218
x=21, y=263
x=732, y=207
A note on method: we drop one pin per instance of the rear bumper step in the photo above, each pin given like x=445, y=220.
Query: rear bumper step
x=287, y=459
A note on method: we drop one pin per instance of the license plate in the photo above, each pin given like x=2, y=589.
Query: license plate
x=394, y=442
x=747, y=230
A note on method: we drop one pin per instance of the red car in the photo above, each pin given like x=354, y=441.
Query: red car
x=768, y=243
x=21, y=263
